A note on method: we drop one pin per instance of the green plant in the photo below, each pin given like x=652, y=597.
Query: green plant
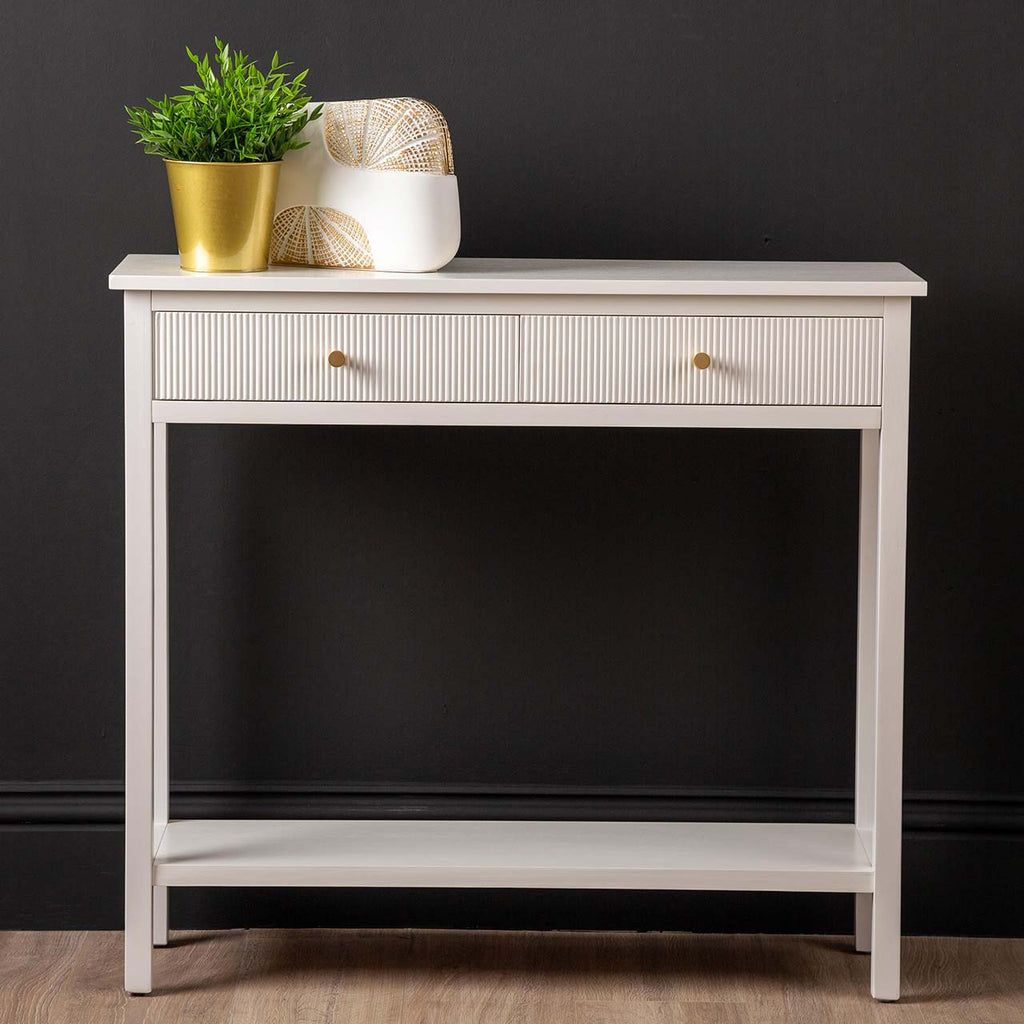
x=243, y=116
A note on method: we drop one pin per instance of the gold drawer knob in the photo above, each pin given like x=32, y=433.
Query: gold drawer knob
x=702, y=360
x=337, y=359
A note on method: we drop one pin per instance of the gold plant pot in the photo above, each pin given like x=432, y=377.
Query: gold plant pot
x=223, y=213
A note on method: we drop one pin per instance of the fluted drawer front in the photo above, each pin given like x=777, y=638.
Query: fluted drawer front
x=753, y=360
x=284, y=357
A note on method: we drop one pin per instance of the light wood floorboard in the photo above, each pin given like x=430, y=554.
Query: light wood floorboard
x=447, y=977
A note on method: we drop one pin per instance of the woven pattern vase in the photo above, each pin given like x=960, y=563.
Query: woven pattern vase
x=375, y=189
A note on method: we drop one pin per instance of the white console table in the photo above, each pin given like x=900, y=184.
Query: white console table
x=537, y=343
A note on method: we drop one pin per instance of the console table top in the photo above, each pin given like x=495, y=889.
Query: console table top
x=542, y=277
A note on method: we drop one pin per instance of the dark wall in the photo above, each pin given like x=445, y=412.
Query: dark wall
x=501, y=623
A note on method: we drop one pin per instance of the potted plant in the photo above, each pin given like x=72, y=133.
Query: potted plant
x=222, y=142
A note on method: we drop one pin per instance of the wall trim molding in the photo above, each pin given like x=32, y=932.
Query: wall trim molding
x=100, y=803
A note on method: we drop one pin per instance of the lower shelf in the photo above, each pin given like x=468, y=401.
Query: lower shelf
x=515, y=854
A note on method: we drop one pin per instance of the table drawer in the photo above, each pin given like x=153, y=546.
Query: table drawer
x=753, y=360
x=266, y=357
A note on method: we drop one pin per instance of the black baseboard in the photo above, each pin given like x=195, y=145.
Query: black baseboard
x=60, y=859
x=102, y=803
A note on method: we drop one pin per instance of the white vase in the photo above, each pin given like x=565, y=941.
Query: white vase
x=373, y=189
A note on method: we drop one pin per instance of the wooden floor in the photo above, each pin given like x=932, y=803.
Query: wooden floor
x=429, y=977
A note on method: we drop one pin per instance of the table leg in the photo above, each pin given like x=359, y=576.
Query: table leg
x=161, y=767
x=138, y=489
x=867, y=675
x=892, y=536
